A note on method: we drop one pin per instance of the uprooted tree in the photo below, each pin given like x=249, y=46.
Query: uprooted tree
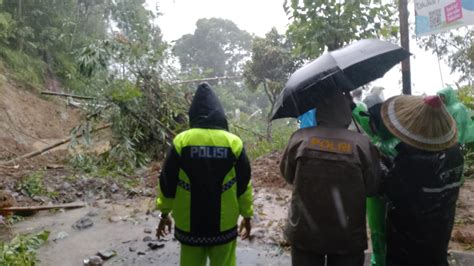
x=126, y=73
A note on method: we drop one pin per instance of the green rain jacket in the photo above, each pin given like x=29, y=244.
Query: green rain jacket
x=460, y=113
x=376, y=206
x=387, y=144
x=205, y=179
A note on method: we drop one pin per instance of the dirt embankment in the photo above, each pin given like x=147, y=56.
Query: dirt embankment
x=266, y=172
x=29, y=122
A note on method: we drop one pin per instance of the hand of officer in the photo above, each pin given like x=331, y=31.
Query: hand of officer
x=245, y=228
x=161, y=231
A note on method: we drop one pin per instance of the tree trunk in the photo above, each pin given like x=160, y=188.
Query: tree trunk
x=405, y=42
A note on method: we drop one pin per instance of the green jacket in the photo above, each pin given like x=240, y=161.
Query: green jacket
x=205, y=179
x=385, y=144
x=460, y=113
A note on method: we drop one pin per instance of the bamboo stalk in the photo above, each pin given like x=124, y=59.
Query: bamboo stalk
x=43, y=207
x=206, y=79
x=67, y=95
x=52, y=146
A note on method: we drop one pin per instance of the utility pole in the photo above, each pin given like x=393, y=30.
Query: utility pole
x=405, y=42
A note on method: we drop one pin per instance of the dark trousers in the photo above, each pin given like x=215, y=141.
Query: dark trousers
x=308, y=258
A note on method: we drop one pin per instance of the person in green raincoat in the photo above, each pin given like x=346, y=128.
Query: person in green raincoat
x=460, y=113
x=371, y=124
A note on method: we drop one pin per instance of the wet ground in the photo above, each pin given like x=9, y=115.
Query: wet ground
x=123, y=228
x=127, y=228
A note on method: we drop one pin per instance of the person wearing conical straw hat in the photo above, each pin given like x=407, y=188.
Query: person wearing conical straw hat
x=423, y=185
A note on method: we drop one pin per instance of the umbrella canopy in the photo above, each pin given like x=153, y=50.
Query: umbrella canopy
x=347, y=68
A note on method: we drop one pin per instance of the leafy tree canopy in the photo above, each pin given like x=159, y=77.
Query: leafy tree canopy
x=271, y=64
x=320, y=25
x=217, y=48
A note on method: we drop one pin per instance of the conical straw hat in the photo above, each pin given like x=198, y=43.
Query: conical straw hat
x=421, y=122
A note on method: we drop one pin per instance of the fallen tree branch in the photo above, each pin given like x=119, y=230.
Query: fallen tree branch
x=67, y=95
x=52, y=146
x=205, y=79
x=251, y=131
x=43, y=207
x=170, y=134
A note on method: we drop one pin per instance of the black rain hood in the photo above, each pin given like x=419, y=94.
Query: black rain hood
x=206, y=110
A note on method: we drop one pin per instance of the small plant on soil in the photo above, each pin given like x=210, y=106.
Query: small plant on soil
x=21, y=251
x=8, y=221
x=33, y=185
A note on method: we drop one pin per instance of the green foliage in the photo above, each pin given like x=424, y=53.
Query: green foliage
x=320, y=25
x=24, y=68
x=234, y=96
x=469, y=155
x=86, y=163
x=93, y=58
x=271, y=64
x=21, y=251
x=217, y=48
x=466, y=96
x=7, y=27
x=252, y=132
x=50, y=32
x=125, y=74
x=10, y=220
x=33, y=184
x=125, y=92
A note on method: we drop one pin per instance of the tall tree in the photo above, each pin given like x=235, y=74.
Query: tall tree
x=321, y=25
x=217, y=48
x=271, y=64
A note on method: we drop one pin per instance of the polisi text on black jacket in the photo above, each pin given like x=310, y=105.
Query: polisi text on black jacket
x=209, y=152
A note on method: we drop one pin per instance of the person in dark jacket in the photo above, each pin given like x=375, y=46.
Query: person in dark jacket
x=423, y=185
x=332, y=170
x=205, y=185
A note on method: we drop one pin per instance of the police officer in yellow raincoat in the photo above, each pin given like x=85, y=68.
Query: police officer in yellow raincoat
x=205, y=186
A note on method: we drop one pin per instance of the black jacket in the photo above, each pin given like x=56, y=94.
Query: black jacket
x=205, y=179
x=422, y=188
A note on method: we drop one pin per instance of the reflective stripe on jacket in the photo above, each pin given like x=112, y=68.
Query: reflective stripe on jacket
x=205, y=183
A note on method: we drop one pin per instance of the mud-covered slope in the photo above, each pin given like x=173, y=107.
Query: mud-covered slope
x=29, y=121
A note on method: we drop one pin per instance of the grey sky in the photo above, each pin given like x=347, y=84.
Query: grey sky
x=259, y=16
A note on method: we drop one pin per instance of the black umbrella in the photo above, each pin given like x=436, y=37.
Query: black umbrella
x=347, y=68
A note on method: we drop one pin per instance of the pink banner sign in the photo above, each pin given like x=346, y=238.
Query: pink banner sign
x=453, y=11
